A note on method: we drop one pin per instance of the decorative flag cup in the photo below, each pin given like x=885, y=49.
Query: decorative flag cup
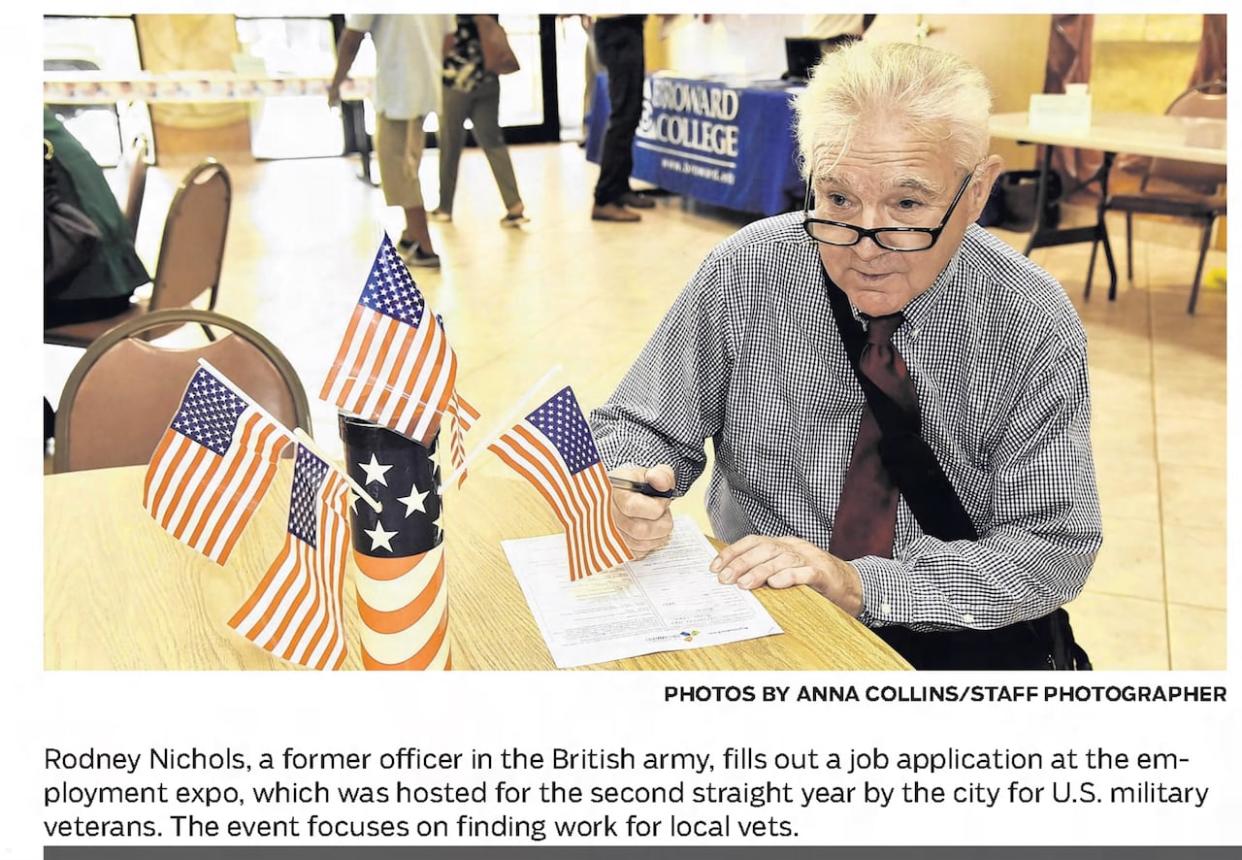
x=402, y=593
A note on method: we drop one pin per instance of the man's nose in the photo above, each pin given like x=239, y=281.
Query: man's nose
x=867, y=250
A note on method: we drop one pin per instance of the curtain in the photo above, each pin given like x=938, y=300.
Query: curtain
x=1210, y=64
x=1069, y=62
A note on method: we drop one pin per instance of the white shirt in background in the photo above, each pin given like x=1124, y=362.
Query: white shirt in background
x=828, y=26
x=407, y=61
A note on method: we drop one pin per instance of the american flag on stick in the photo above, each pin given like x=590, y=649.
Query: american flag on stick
x=552, y=448
x=295, y=611
x=395, y=366
x=212, y=466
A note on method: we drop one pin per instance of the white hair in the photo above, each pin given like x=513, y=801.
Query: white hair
x=936, y=92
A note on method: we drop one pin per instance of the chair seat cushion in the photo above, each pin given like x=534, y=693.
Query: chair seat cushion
x=1188, y=206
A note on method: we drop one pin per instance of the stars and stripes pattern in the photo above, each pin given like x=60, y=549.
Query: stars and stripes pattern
x=395, y=366
x=552, y=448
x=295, y=611
x=401, y=586
x=212, y=466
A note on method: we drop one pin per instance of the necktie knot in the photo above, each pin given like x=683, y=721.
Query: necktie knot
x=880, y=329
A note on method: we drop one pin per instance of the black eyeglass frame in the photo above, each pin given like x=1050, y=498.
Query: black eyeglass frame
x=861, y=233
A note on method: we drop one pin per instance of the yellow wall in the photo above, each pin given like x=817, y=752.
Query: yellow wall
x=1140, y=63
x=1011, y=50
x=172, y=43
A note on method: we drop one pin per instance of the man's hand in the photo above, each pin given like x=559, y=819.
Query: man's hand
x=780, y=562
x=334, y=94
x=644, y=521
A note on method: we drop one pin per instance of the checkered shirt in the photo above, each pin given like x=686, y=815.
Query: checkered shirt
x=749, y=357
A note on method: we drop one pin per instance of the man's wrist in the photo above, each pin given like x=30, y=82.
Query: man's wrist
x=849, y=590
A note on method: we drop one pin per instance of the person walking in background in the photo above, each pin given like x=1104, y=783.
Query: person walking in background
x=472, y=92
x=619, y=46
x=407, y=54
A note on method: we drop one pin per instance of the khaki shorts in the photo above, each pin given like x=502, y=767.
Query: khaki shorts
x=399, y=145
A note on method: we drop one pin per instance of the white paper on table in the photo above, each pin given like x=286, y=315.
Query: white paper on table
x=665, y=602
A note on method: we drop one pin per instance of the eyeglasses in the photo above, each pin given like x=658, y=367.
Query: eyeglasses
x=889, y=238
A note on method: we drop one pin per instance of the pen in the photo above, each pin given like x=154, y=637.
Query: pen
x=641, y=487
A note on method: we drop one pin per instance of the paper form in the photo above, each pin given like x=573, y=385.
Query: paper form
x=665, y=602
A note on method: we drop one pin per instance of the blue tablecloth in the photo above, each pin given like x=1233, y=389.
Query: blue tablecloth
x=727, y=145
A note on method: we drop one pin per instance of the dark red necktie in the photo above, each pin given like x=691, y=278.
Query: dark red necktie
x=866, y=519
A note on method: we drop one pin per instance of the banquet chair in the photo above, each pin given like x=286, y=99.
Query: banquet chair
x=123, y=392
x=1183, y=189
x=191, y=257
x=136, y=185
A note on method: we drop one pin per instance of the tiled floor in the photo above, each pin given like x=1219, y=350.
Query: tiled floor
x=586, y=295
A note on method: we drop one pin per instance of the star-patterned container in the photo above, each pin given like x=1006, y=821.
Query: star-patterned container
x=402, y=592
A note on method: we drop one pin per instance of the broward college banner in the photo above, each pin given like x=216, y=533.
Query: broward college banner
x=725, y=145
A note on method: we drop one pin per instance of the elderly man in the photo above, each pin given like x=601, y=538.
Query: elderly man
x=897, y=400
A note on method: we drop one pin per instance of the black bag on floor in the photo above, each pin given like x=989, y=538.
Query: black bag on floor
x=1017, y=192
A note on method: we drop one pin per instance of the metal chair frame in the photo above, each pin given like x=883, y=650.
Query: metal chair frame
x=160, y=280
x=133, y=328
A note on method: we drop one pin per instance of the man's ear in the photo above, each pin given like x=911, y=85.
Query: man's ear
x=982, y=187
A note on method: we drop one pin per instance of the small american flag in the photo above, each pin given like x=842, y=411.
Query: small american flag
x=295, y=612
x=553, y=449
x=212, y=466
x=395, y=366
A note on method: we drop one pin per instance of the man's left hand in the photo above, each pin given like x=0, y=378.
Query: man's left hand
x=779, y=562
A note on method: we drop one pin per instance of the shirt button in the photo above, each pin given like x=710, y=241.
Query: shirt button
x=968, y=618
x=914, y=332
x=886, y=610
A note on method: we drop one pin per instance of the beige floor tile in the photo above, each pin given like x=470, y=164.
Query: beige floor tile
x=1197, y=637
x=1121, y=632
x=1194, y=562
x=1184, y=394
x=1127, y=434
x=1129, y=488
x=1191, y=439
x=1192, y=495
x=1130, y=562
x=1117, y=393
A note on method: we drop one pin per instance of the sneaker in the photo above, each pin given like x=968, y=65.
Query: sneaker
x=416, y=256
x=440, y=215
x=614, y=212
x=636, y=201
x=514, y=220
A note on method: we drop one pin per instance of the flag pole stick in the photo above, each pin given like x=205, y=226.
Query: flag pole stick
x=306, y=440
x=502, y=425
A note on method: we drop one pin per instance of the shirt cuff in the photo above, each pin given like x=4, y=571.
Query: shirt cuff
x=882, y=581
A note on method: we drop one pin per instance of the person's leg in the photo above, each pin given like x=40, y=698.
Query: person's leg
x=415, y=214
x=452, y=134
x=399, y=145
x=485, y=117
x=620, y=48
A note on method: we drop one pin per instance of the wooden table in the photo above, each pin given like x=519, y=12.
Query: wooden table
x=1180, y=137
x=119, y=593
